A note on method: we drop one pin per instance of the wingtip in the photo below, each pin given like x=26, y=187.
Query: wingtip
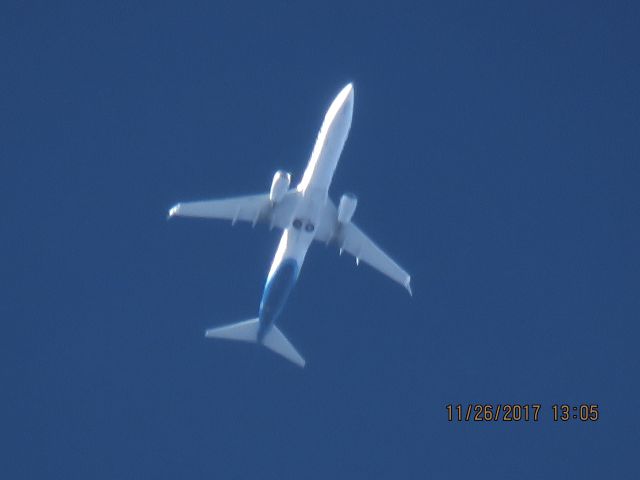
x=407, y=285
x=173, y=211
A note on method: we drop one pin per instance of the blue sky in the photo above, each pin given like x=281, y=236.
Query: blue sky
x=494, y=150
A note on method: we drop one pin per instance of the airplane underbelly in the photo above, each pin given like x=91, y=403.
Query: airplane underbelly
x=283, y=275
x=277, y=290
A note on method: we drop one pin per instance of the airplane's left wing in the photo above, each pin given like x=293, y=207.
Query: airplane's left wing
x=248, y=208
x=351, y=239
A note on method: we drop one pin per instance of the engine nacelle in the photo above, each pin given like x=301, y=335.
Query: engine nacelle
x=279, y=186
x=347, y=207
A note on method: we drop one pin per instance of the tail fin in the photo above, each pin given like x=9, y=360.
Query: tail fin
x=247, y=331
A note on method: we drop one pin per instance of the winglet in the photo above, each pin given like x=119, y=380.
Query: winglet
x=173, y=211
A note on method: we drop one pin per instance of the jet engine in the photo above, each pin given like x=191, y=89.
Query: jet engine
x=279, y=186
x=347, y=207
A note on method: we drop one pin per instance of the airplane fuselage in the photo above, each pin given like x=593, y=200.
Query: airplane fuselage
x=304, y=214
x=313, y=191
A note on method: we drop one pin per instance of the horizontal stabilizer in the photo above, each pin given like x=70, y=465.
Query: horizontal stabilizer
x=276, y=341
x=246, y=331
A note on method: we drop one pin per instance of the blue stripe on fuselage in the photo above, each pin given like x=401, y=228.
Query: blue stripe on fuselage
x=275, y=294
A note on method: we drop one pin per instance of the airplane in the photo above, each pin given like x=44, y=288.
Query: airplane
x=304, y=213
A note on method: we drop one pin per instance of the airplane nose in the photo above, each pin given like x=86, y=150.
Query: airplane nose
x=345, y=99
x=346, y=95
x=348, y=91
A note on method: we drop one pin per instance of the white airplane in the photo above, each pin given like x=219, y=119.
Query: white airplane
x=304, y=213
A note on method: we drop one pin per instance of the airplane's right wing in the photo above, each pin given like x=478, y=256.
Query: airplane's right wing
x=351, y=239
x=249, y=208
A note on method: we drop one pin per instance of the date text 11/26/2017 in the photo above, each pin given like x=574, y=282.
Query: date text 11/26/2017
x=515, y=412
